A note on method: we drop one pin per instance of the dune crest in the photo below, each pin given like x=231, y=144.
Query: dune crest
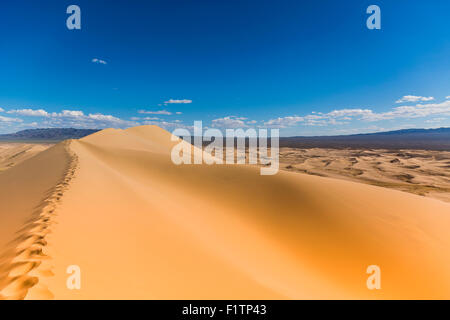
x=141, y=227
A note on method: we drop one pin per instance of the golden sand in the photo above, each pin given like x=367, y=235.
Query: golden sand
x=13, y=153
x=140, y=227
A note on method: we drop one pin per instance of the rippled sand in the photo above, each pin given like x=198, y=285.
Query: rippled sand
x=421, y=172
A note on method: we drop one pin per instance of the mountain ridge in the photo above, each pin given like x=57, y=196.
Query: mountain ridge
x=425, y=139
x=50, y=134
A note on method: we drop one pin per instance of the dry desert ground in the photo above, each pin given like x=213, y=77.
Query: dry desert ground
x=421, y=172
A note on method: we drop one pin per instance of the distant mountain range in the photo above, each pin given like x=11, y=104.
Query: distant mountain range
x=51, y=134
x=427, y=139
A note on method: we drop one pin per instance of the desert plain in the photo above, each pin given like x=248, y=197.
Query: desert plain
x=140, y=227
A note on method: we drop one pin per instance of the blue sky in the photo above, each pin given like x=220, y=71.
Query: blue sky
x=306, y=67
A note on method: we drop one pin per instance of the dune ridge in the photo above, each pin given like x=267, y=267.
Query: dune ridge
x=141, y=227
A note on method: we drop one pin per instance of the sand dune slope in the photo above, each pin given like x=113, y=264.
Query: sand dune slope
x=29, y=193
x=139, y=226
x=13, y=153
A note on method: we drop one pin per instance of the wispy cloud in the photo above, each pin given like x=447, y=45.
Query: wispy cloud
x=70, y=118
x=7, y=119
x=69, y=113
x=435, y=120
x=181, y=101
x=343, y=116
x=283, y=122
x=165, y=112
x=417, y=111
x=414, y=99
x=1, y=109
x=30, y=112
x=99, y=61
x=145, y=118
x=230, y=122
x=78, y=119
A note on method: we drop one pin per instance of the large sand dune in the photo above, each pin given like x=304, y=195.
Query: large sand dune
x=139, y=226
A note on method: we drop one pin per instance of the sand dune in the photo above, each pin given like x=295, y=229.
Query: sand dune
x=26, y=191
x=13, y=153
x=141, y=227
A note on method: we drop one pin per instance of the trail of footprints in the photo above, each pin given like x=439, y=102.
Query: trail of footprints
x=26, y=259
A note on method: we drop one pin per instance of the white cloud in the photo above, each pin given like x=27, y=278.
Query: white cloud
x=99, y=61
x=68, y=113
x=230, y=122
x=64, y=119
x=178, y=112
x=417, y=111
x=30, y=112
x=145, y=118
x=436, y=120
x=2, y=110
x=165, y=112
x=348, y=113
x=414, y=99
x=7, y=119
x=178, y=101
x=97, y=120
x=283, y=122
x=342, y=116
x=104, y=117
x=447, y=97
x=77, y=119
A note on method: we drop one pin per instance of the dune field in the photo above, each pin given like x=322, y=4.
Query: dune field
x=422, y=172
x=141, y=227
